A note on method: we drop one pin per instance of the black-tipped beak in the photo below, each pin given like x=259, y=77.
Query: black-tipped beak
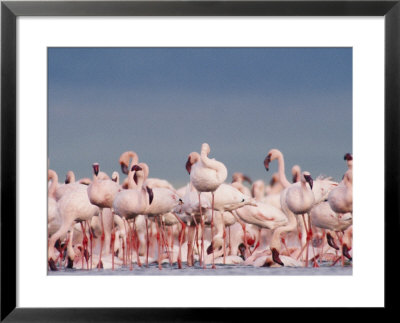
x=66, y=180
x=136, y=168
x=96, y=169
x=242, y=250
x=345, y=251
x=348, y=156
x=294, y=179
x=180, y=202
x=309, y=180
x=151, y=195
x=135, y=178
x=188, y=165
x=114, y=179
x=331, y=241
x=124, y=169
x=267, y=160
x=210, y=249
x=275, y=257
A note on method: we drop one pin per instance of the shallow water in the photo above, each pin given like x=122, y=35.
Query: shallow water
x=238, y=270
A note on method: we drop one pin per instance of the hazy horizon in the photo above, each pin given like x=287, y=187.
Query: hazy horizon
x=163, y=103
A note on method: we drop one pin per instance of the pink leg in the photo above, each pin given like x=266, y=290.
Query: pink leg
x=137, y=244
x=91, y=245
x=159, y=247
x=112, y=242
x=147, y=242
x=202, y=258
x=102, y=236
x=212, y=228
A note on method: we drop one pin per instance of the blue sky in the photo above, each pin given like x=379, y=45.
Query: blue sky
x=164, y=103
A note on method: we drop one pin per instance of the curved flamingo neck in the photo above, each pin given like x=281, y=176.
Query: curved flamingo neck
x=290, y=226
x=281, y=169
x=142, y=175
x=52, y=175
x=220, y=169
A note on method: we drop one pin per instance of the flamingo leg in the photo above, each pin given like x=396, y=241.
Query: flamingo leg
x=137, y=244
x=112, y=242
x=159, y=246
x=181, y=236
x=84, y=243
x=91, y=246
x=165, y=241
x=147, y=242
x=224, y=244
x=202, y=236
x=212, y=229
x=229, y=239
x=307, y=243
x=102, y=238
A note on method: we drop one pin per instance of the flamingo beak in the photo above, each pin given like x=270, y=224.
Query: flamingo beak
x=210, y=249
x=275, y=257
x=242, y=250
x=267, y=160
x=180, y=202
x=151, y=194
x=294, y=178
x=96, y=169
x=136, y=168
x=331, y=241
x=348, y=156
x=124, y=168
x=188, y=166
x=309, y=180
x=346, y=252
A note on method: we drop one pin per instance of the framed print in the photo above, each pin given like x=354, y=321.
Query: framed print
x=148, y=75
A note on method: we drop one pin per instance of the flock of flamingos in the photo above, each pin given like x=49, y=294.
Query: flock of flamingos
x=101, y=223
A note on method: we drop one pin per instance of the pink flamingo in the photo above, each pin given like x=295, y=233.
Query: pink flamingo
x=102, y=193
x=206, y=175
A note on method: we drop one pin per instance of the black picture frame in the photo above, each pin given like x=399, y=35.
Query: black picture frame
x=10, y=10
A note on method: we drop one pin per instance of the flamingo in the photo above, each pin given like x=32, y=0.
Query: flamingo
x=53, y=215
x=102, y=193
x=321, y=188
x=207, y=175
x=126, y=161
x=131, y=202
x=73, y=206
x=322, y=216
x=341, y=198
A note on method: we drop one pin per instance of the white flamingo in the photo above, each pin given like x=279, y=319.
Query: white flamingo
x=207, y=175
x=73, y=206
x=101, y=192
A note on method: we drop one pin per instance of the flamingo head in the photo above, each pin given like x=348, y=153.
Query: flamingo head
x=216, y=245
x=134, y=169
x=308, y=179
x=348, y=157
x=115, y=177
x=267, y=160
x=125, y=158
x=205, y=148
x=189, y=165
x=96, y=168
x=124, y=168
x=70, y=178
x=242, y=250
